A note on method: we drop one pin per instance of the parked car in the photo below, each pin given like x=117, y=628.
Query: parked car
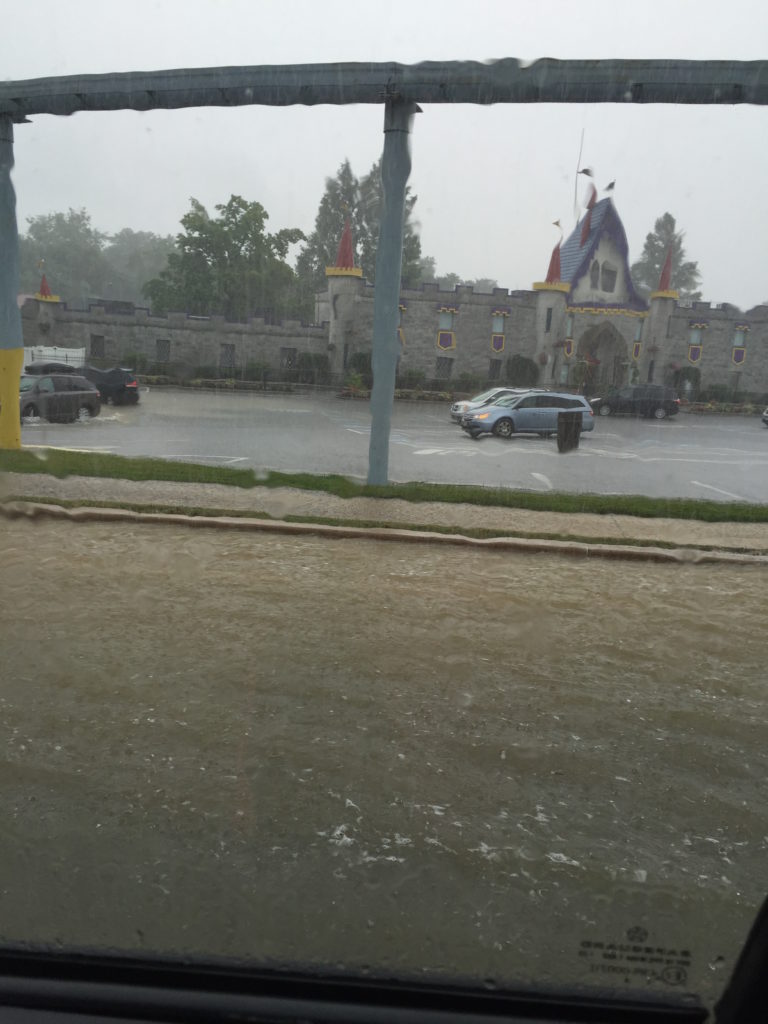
x=533, y=412
x=58, y=397
x=50, y=367
x=117, y=386
x=765, y=417
x=638, y=400
x=460, y=409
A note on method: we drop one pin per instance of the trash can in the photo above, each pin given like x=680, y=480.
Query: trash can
x=568, y=430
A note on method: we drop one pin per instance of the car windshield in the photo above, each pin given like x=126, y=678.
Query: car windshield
x=305, y=666
x=484, y=396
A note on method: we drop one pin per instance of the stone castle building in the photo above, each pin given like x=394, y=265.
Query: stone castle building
x=585, y=326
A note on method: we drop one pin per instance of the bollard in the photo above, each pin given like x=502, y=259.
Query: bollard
x=568, y=430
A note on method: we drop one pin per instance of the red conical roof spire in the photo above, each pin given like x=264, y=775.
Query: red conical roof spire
x=345, y=258
x=553, y=274
x=45, y=291
x=666, y=272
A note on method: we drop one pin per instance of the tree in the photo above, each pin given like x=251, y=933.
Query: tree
x=368, y=216
x=447, y=282
x=132, y=259
x=346, y=196
x=69, y=250
x=339, y=202
x=647, y=270
x=228, y=265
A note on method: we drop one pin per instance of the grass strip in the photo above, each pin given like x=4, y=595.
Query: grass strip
x=59, y=463
x=479, y=533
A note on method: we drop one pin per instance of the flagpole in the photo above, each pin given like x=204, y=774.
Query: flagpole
x=576, y=179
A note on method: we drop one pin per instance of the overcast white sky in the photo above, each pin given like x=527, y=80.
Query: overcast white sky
x=490, y=180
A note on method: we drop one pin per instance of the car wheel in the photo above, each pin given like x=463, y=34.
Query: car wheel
x=659, y=413
x=83, y=414
x=605, y=410
x=474, y=434
x=29, y=411
x=504, y=428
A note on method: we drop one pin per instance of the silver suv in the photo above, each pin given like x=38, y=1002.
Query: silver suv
x=58, y=397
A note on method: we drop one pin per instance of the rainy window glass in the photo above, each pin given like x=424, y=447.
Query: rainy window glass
x=317, y=653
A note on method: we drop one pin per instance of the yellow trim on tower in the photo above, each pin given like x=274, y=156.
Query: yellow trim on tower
x=343, y=272
x=665, y=295
x=553, y=286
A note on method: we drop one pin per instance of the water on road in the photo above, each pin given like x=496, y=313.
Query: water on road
x=381, y=756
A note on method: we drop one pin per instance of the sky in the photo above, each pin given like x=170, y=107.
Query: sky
x=490, y=180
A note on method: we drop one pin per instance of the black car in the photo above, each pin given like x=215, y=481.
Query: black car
x=638, y=400
x=58, y=397
x=50, y=367
x=117, y=386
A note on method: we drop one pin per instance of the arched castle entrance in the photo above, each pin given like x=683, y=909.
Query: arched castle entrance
x=603, y=358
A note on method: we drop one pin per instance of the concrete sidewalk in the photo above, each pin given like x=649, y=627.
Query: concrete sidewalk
x=281, y=502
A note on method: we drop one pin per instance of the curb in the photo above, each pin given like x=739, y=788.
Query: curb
x=577, y=549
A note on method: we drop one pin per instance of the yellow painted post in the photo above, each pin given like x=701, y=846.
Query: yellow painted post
x=11, y=341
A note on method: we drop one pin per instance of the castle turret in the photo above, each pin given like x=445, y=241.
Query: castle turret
x=345, y=283
x=661, y=307
x=551, y=303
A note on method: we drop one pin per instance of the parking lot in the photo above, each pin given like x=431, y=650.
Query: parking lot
x=718, y=457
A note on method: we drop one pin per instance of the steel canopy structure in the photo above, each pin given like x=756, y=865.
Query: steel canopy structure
x=400, y=88
x=501, y=81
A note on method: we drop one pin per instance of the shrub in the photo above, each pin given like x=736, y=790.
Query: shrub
x=521, y=372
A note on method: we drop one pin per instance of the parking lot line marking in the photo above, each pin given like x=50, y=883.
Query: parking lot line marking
x=728, y=494
x=544, y=480
x=62, y=448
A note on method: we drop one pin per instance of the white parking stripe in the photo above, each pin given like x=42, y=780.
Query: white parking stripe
x=544, y=480
x=728, y=494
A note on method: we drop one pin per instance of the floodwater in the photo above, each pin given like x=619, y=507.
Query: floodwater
x=395, y=758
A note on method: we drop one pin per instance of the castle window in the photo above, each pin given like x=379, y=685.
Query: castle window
x=548, y=324
x=162, y=350
x=446, y=321
x=97, y=346
x=638, y=330
x=608, y=277
x=497, y=324
x=569, y=326
x=594, y=274
x=494, y=369
x=287, y=358
x=443, y=368
x=226, y=356
x=695, y=338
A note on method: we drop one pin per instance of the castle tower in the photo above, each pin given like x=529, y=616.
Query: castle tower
x=661, y=307
x=345, y=284
x=551, y=303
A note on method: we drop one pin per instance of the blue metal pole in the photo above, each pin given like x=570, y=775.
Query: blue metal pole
x=11, y=342
x=395, y=168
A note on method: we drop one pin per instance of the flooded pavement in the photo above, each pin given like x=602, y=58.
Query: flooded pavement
x=394, y=758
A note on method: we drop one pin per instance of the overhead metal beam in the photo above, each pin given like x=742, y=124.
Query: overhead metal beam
x=501, y=81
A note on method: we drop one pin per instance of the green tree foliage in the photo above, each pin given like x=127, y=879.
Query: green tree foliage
x=647, y=270
x=359, y=199
x=82, y=264
x=228, y=265
x=69, y=250
x=447, y=282
x=132, y=259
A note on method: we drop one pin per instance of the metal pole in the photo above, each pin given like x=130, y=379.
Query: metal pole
x=395, y=168
x=11, y=341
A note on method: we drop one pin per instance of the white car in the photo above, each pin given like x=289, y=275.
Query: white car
x=460, y=409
